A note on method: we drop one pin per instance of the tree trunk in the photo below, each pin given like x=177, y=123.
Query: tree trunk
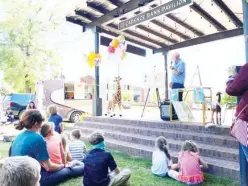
x=27, y=85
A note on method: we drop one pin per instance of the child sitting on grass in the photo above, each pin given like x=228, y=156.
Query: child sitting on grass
x=77, y=147
x=67, y=155
x=97, y=164
x=190, y=165
x=161, y=159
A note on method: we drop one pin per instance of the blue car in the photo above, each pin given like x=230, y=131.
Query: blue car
x=17, y=103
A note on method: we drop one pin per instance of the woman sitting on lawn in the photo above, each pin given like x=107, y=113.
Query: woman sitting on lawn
x=29, y=143
x=161, y=158
x=189, y=164
x=57, y=151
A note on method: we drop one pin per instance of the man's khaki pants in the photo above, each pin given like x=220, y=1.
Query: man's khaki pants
x=120, y=179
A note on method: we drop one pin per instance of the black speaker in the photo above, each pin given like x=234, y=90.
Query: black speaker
x=165, y=111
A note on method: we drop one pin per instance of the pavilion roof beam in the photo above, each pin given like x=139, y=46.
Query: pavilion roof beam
x=138, y=35
x=153, y=32
x=236, y=21
x=116, y=2
x=85, y=14
x=166, y=27
x=208, y=17
x=75, y=21
x=127, y=7
x=203, y=39
x=182, y=23
x=96, y=7
x=127, y=38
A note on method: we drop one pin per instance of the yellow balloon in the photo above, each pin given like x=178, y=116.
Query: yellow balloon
x=115, y=43
x=91, y=56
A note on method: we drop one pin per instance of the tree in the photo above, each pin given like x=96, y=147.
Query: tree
x=229, y=101
x=24, y=55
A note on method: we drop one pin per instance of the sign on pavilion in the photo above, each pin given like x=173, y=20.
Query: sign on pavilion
x=155, y=12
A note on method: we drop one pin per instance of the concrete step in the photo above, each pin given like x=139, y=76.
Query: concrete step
x=223, y=168
x=161, y=125
x=204, y=138
x=224, y=153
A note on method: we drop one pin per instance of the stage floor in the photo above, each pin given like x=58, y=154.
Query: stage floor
x=153, y=114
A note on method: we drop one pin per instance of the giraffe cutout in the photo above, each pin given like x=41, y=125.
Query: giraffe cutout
x=116, y=100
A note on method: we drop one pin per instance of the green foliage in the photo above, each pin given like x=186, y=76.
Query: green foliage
x=24, y=55
x=229, y=101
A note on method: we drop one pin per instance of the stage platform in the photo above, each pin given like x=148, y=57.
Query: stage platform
x=136, y=137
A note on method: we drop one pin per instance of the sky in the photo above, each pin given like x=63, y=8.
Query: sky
x=213, y=59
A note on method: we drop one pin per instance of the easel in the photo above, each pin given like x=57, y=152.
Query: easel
x=157, y=93
x=158, y=99
x=197, y=72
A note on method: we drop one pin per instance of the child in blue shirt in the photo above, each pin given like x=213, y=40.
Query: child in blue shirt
x=97, y=164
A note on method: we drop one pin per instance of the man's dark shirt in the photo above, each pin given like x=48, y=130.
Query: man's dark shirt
x=96, y=167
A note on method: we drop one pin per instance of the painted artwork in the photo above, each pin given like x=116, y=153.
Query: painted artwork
x=174, y=95
x=183, y=111
x=199, y=95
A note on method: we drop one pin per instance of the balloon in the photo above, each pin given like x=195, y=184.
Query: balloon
x=115, y=43
x=91, y=57
x=118, y=51
x=124, y=55
x=121, y=38
x=91, y=64
x=98, y=59
x=97, y=62
x=123, y=46
x=111, y=50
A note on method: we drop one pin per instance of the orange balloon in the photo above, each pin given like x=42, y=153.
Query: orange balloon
x=115, y=43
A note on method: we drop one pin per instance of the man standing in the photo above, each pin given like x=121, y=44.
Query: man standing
x=178, y=74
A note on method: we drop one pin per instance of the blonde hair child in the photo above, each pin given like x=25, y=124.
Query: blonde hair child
x=190, y=165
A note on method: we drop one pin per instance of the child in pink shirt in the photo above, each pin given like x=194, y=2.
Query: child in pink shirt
x=54, y=143
x=190, y=165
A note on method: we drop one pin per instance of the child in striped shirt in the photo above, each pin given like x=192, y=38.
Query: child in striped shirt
x=77, y=147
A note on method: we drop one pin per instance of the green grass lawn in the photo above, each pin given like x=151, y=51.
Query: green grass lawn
x=141, y=174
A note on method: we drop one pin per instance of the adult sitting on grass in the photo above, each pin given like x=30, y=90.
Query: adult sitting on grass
x=30, y=143
x=55, y=118
x=19, y=171
x=97, y=165
x=57, y=152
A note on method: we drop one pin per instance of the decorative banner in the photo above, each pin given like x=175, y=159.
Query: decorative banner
x=155, y=12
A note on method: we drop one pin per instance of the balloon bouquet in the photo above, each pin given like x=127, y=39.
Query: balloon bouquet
x=118, y=46
x=94, y=60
